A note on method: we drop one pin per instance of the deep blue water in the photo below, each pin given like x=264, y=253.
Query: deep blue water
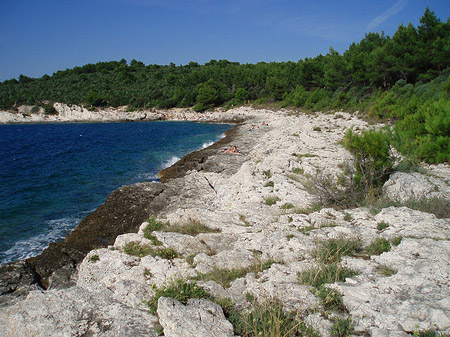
x=53, y=175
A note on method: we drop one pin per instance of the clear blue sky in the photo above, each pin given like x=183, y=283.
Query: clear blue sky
x=40, y=37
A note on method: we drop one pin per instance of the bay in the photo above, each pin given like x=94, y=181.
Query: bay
x=53, y=175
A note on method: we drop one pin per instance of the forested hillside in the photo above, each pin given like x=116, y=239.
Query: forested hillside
x=405, y=77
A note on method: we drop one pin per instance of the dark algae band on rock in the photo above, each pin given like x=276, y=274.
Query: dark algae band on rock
x=123, y=211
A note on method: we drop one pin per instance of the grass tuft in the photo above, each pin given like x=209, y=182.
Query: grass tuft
x=342, y=328
x=323, y=274
x=378, y=246
x=224, y=277
x=180, y=290
x=382, y=225
x=332, y=251
x=385, y=270
x=135, y=249
x=271, y=200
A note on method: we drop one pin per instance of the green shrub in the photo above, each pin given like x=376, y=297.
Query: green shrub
x=298, y=170
x=135, y=249
x=378, y=246
x=287, y=205
x=268, y=174
x=373, y=162
x=331, y=298
x=94, y=258
x=270, y=183
x=396, y=241
x=382, y=225
x=271, y=200
x=342, y=327
x=180, y=290
x=200, y=107
x=440, y=207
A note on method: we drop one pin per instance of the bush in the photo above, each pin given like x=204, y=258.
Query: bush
x=373, y=162
x=180, y=290
x=200, y=107
x=342, y=327
x=331, y=299
x=380, y=245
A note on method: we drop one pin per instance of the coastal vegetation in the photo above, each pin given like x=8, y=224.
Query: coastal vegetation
x=404, y=78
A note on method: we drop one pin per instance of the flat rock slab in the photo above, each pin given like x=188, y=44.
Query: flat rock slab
x=198, y=318
x=74, y=312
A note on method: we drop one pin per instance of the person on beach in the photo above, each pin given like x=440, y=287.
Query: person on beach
x=232, y=149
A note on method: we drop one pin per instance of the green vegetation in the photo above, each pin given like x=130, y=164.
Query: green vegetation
x=325, y=273
x=178, y=289
x=265, y=318
x=404, y=78
x=382, y=225
x=193, y=227
x=271, y=200
x=270, y=183
x=224, y=277
x=378, y=246
x=135, y=249
x=287, y=205
x=94, y=258
x=385, y=270
x=342, y=328
x=331, y=298
x=268, y=318
x=396, y=241
x=332, y=251
x=440, y=207
x=327, y=270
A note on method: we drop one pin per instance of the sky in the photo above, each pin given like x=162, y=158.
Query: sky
x=40, y=37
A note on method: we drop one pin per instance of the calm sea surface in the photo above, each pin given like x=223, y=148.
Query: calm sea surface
x=53, y=175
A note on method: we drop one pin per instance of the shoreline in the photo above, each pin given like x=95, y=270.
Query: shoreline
x=258, y=201
x=79, y=114
x=56, y=265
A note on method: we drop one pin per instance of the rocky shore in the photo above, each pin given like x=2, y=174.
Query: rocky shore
x=257, y=204
x=64, y=113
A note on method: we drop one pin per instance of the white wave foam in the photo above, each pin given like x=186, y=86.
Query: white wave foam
x=170, y=162
x=147, y=177
x=205, y=145
x=57, y=230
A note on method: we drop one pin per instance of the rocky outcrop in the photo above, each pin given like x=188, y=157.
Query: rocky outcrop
x=123, y=211
x=199, y=317
x=257, y=201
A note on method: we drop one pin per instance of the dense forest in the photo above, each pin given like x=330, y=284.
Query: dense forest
x=404, y=78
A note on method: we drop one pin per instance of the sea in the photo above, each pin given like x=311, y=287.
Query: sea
x=54, y=175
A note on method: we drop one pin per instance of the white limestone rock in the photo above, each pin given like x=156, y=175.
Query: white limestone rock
x=416, y=297
x=403, y=186
x=198, y=318
x=74, y=312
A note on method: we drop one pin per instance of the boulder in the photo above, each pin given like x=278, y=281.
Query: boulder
x=198, y=318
